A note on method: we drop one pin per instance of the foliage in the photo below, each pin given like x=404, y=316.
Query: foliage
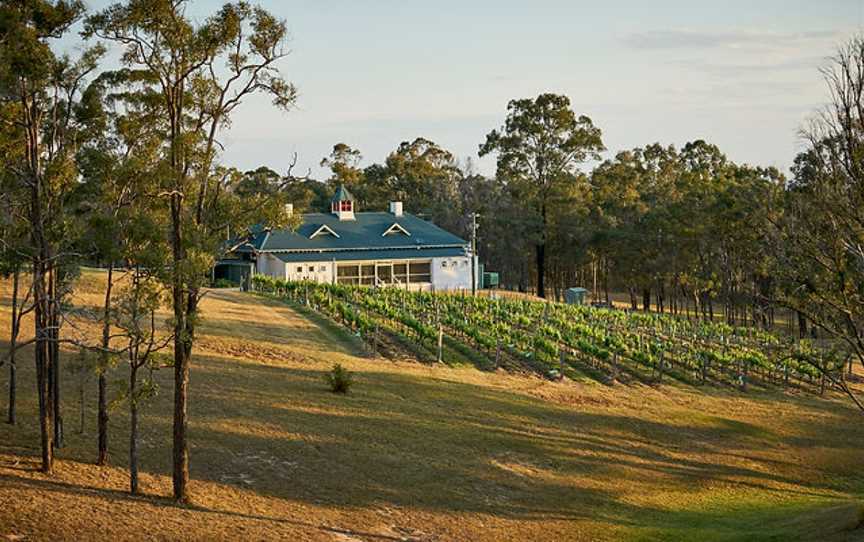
x=819, y=240
x=538, y=335
x=539, y=148
x=339, y=379
x=188, y=78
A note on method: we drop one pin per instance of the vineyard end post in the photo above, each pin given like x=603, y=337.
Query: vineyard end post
x=561, y=356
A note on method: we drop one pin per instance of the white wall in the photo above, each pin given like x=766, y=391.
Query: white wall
x=271, y=266
x=455, y=275
x=318, y=271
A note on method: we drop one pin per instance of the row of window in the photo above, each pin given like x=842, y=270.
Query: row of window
x=368, y=274
x=311, y=268
x=397, y=273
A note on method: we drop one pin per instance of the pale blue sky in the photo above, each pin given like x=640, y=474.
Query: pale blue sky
x=372, y=73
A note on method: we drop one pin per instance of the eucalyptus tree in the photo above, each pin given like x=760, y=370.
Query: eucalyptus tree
x=820, y=239
x=140, y=334
x=344, y=165
x=539, y=149
x=14, y=248
x=196, y=76
x=43, y=88
x=13, y=255
x=119, y=165
x=427, y=176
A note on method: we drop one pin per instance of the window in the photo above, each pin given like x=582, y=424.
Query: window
x=385, y=273
x=355, y=274
x=299, y=268
x=420, y=271
x=348, y=271
x=367, y=275
x=322, y=268
x=400, y=273
x=346, y=205
x=311, y=268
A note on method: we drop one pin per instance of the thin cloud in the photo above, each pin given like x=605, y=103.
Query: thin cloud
x=757, y=65
x=730, y=40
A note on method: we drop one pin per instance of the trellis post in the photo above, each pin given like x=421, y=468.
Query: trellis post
x=561, y=355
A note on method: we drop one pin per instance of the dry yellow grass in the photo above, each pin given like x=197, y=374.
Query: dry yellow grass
x=420, y=452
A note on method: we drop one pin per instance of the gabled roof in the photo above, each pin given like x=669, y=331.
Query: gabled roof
x=324, y=229
x=366, y=232
x=342, y=194
x=396, y=228
x=359, y=255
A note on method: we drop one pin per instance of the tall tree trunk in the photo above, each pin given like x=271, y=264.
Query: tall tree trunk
x=43, y=367
x=41, y=261
x=102, y=416
x=606, y=281
x=54, y=355
x=13, y=344
x=646, y=299
x=133, y=429
x=181, y=360
x=541, y=254
x=541, y=270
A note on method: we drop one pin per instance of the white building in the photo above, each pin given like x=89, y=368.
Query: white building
x=361, y=248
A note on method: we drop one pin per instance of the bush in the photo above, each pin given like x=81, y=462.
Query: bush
x=339, y=379
x=225, y=283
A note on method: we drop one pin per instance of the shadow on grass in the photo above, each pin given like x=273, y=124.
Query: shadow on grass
x=433, y=444
x=55, y=486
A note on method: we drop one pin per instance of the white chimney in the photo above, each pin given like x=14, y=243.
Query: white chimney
x=396, y=208
x=289, y=209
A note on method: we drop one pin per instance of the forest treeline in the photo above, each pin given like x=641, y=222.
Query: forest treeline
x=124, y=168
x=667, y=226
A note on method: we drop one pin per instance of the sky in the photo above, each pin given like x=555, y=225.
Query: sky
x=743, y=75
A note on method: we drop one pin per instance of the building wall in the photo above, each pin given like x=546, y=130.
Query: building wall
x=452, y=273
x=271, y=266
x=316, y=271
x=446, y=274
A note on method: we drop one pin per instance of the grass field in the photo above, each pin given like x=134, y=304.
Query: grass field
x=422, y=452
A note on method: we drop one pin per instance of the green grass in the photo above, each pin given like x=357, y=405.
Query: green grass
x=429, y=452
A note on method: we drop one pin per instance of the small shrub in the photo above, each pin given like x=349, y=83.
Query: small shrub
x=339, y=379
x=225, y=283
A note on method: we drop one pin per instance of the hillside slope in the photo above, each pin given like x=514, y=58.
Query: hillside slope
x=420, y=452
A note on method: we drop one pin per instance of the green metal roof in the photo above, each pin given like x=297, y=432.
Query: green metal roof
x=349, y=255
x=366, y=231
x=342, y=194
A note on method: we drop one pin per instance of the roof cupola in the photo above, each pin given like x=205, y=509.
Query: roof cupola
x=342, y=204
